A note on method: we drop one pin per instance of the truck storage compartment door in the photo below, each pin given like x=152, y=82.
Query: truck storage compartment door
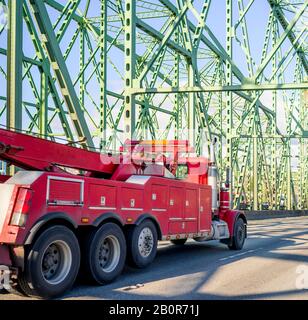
x=132, y=200
x=176, y=206
x=65, y=192
x=191, y=210
x=159, y=198
x=102, y=197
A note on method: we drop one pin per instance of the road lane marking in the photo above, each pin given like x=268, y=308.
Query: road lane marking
x=239, y=255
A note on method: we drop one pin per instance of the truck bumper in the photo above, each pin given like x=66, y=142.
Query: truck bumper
x=5, y=259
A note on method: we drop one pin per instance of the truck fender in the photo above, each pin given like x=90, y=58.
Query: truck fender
x=231, y=217
x=44, y=220
x=154, y=219
x=108, y=216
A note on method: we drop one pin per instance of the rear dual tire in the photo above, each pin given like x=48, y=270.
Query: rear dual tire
x=105, y=254
x=51, y=264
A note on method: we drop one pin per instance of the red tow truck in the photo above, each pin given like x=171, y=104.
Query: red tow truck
x=69, y=211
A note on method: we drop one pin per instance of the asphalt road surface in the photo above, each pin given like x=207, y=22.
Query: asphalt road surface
x=273, y=265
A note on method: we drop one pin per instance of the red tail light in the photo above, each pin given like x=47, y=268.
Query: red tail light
x=21, y=207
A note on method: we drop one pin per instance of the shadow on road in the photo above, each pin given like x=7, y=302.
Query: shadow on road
x=207, y=258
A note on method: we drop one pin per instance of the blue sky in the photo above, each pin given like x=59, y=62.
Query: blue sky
x=256, y=22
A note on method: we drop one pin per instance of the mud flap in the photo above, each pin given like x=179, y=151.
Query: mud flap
x=5, y=266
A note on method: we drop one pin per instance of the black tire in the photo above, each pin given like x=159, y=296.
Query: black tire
x=179, y=242
x=45, y=276
x=239, y=235
x=105, y=254
x=141, y=256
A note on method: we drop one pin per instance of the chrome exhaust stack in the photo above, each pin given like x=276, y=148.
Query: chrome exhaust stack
x=213, y=176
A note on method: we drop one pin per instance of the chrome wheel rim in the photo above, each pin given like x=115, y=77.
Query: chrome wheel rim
x=109, y=254
x=56, y=262
x=146, y=242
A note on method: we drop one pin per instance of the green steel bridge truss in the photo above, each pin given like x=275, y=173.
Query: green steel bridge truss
x=85, y=71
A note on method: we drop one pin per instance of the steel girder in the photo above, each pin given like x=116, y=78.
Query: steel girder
x=94, y=73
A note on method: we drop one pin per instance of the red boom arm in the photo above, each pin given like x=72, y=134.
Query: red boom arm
x=32, y=153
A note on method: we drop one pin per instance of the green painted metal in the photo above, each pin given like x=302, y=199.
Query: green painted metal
x=104, y=74
x=14, y=65
x=14, y=68
x=229, y=95
x=51, y=45
x=95, y=73
x=130, y=68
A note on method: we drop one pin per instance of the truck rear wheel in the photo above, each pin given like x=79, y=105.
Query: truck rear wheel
x=142, y=244
x=239, y=235
x=51, y=264
x=106, y=253
x=179, y=242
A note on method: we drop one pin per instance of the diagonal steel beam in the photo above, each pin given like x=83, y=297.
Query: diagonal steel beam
x=291, y=35
x=45, y=69
x=96, y=31
x=279, y=43
x=216, y=47
x=58, y=64
x=160, y=37
x=181, y=13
